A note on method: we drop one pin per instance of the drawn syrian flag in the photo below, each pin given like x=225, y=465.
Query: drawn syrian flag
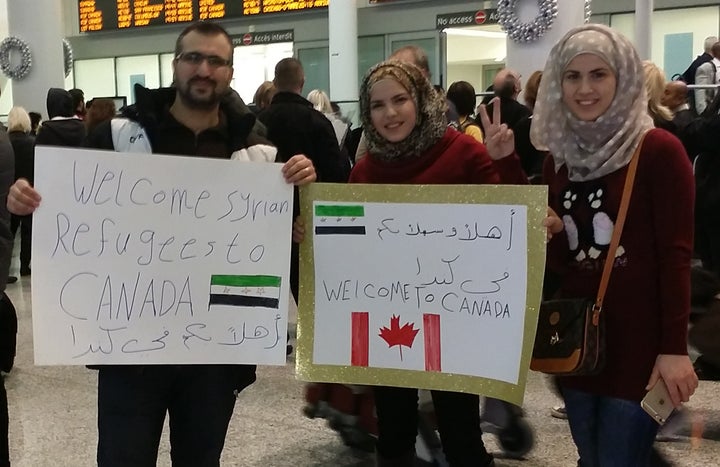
x=360, y=340
x=245, y=291
x=339, y=219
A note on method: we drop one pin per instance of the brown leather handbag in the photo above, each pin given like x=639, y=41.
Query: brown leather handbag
x=570, y=337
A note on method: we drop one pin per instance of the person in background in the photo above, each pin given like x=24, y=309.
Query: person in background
x=23, y=144
x=507, y=86
x=8, y=317
x=63, y=128
x=336, y=108
x=320, y=101
x=263, y=97
x=201, y=117
x=707, y=74
x=530, y=158
x=591, y=114
x=688, y=75
x=675, y=98
x=462, y=94
x=100, y=111
x=701, y=136
x=35, y=120
x=409, y=142
x=531, y=89
x=655, y=88
x=78, y=102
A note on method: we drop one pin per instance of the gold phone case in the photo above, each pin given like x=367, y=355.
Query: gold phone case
x=657, y=403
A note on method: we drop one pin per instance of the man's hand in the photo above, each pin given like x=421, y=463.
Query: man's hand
x=679, y=376
x=298, y=232
x=22, y=198
x=499, y=139
x=299, y=170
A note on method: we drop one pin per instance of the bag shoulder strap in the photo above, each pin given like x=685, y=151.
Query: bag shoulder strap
x=617, y=231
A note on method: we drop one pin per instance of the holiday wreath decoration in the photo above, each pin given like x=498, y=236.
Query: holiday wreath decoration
x=23, y=68
x=530, y=31
x=68, y=55
x=588, y=10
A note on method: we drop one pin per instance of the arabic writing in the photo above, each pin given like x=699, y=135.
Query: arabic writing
x=468, y=232
x=109, y=340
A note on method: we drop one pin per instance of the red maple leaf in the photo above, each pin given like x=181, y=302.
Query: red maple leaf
x=397, y=335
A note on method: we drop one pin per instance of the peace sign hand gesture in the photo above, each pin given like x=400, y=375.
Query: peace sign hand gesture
x=499, y=139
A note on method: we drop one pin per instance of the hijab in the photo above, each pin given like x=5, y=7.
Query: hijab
x=591, y=150
x=430, y=125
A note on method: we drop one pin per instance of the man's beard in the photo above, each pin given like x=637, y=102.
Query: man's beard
x=190, y=100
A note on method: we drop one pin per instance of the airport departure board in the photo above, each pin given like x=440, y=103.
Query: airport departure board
x=111, y=15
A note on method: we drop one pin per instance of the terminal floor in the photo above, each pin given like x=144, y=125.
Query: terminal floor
x=53, y=419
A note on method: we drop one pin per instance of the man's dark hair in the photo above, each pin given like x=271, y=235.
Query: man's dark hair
x=78, y=96
x=289, y=74
x=35, y=118
x=462, y=94
x=205, y=28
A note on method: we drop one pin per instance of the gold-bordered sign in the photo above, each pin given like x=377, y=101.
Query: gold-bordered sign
x=374, y=254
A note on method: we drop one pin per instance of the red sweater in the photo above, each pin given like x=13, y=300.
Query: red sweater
x=647, y=303
x=455, y=159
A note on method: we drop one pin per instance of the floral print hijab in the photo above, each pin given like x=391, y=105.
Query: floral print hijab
x=591, y=150
x=430, y=106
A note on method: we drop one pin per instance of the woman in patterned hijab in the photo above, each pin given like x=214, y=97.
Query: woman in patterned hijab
x=430, y=110
x=591, y=149
x=591, y=114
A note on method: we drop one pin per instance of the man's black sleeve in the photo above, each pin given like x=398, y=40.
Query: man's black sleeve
x=333, y=164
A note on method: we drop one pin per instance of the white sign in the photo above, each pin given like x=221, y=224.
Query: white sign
x=159, y=259
x=424, y=287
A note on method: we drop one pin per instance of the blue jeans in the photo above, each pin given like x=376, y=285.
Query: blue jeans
x=609, y=432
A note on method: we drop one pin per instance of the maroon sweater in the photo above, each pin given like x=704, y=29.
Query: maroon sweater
x=647, y=303
x=455, y=159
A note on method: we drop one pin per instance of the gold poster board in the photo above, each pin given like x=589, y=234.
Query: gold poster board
x=369, y=247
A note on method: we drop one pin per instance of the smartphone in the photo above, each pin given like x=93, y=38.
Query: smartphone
x=657, y=402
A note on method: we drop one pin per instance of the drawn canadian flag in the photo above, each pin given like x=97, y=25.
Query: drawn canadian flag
x=396, y=335
x=399, y=335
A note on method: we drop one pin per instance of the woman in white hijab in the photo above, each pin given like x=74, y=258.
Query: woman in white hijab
x=591, y=114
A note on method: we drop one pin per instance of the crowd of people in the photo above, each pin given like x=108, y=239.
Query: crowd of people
x=592, y=109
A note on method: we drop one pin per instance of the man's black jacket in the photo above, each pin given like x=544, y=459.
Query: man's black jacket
x=295, y=127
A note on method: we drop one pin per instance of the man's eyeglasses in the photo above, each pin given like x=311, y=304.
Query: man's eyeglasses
x=196, y=59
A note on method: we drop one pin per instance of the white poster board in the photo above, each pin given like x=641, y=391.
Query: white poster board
x=159, y=259
x=458, y=274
